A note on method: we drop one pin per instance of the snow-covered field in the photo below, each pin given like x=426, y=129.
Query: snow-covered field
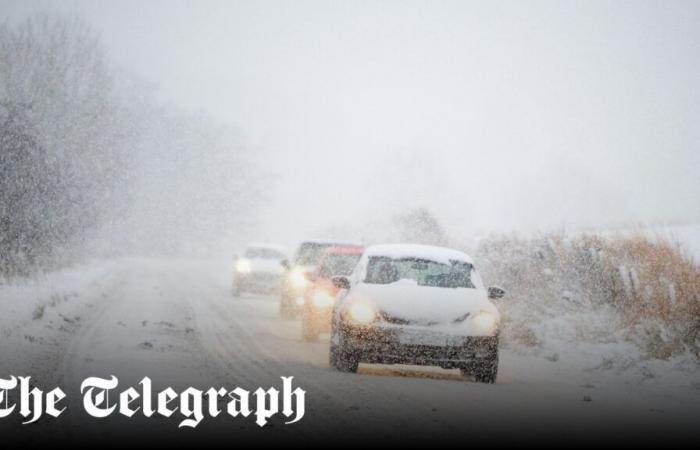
x=175, y=321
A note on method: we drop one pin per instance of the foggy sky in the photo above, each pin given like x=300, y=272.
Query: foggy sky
x=495, y=115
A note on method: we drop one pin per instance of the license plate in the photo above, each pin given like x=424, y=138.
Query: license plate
x=431, y=339
x=455, y=341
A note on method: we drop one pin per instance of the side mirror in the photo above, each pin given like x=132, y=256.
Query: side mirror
x=341, y=282
x=496, y=292
x=285, y=263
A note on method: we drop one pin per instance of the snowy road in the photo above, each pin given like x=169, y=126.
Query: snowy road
x=177, y=323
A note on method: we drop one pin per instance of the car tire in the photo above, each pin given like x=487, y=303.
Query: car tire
x=309, y=328
x=285, y=308
x=484, y=370
x=342, y=358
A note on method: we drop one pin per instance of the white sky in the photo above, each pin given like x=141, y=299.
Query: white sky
x=496, y=115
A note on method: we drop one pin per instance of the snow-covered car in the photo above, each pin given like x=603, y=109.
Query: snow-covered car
x=259, y=269
x=416, y=304
x=320, y=295
x=298, y=273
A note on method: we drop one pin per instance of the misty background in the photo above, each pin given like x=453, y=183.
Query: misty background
x=228, y=121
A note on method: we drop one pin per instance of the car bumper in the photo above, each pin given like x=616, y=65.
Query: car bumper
x=321, y=317
x=292, y=299
x=260, y=282
x=395, y=346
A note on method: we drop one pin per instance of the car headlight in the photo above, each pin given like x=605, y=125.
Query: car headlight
x=362, y=313
x=323, y=299
x=297, y=278
x=243, y=266
x=486, y=321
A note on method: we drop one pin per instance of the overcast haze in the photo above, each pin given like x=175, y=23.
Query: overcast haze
x=495, y=115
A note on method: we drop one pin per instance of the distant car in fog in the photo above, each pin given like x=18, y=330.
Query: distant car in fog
x=259, y=269
x=416, y=304
x=320, y=295
x=298, y=271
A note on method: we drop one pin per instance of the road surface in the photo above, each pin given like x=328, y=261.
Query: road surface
x=176, y=322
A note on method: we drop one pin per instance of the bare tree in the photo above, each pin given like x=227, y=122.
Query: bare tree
x=60, y=151
x=420, y=226
x=90, y=155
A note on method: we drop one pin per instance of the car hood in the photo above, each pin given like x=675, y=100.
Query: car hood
x=406, y=300
x=266, y=265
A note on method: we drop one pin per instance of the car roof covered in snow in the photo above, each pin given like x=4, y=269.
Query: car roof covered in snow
x=330, y=242
x=429, y=252
x=267, y=245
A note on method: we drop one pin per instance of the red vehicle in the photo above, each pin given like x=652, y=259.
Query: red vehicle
x=319, y=298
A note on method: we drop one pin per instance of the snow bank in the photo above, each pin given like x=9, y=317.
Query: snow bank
x=38, y=313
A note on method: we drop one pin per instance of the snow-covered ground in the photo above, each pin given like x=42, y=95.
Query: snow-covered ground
x=175, y=321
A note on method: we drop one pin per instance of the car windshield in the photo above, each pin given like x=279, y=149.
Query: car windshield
x=263, y=253
x=338, y=264
x=310, y=253
x=385, y=270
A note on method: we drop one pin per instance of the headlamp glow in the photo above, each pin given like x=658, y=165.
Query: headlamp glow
x=362, y=313
x=485, y=321
x=297, y=278
x=323, y=299
x=243, y=266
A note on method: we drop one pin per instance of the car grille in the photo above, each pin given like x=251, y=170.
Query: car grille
x=393, y=319
x=264, y=277
x=269, y=275
x=401, y=321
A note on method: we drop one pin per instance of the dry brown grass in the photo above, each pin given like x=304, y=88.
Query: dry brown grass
x=667, y=284
x=651, y=281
